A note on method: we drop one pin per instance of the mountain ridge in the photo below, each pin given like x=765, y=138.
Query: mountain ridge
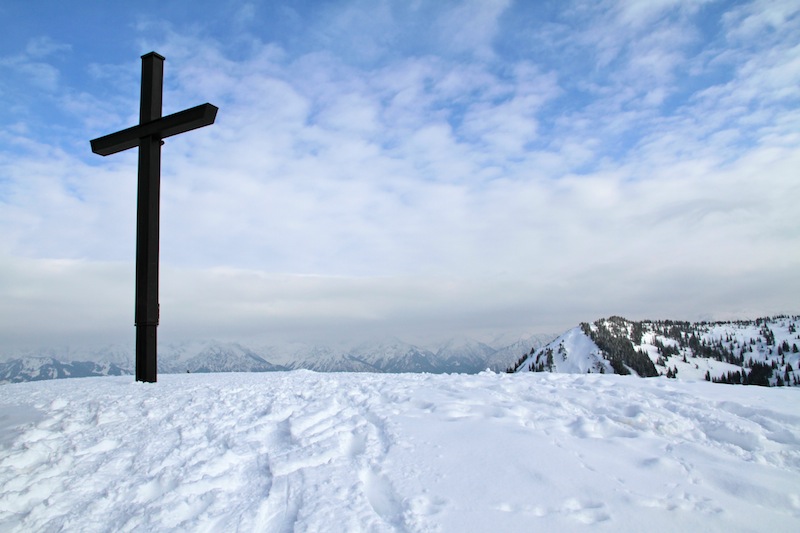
x=389, y=355
x=763, y=351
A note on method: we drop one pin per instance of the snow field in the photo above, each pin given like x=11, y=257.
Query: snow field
x=302, y=451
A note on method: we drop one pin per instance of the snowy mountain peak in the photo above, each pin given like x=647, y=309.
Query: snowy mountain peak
x=574, y=352
x=759, y=352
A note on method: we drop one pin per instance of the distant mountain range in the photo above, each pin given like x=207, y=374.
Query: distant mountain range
x=39, y=368
x=460, y=355
x=765, y=351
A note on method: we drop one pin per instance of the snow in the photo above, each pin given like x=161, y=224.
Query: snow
x=587, y=354
x=305, y=451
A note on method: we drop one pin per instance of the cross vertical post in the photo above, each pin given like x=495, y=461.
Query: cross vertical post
x=147, y=221
x=148, y=137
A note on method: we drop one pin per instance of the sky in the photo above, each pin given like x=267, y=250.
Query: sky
x=419, y=169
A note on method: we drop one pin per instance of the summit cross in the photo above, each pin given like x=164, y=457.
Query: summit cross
x=148, y=137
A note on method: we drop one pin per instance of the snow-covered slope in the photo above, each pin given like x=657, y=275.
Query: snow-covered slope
x=765, y=351
x=574, y=352
x=304, y=451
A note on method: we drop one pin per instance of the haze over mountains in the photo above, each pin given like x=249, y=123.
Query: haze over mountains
x=763, y=351
x=457, y=355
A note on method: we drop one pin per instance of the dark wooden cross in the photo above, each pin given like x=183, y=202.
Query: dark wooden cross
x=148, y=137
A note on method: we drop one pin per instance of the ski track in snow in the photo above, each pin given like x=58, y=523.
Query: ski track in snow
x=302, y=451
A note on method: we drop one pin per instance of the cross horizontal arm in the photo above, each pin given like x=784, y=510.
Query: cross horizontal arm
x=182, y=121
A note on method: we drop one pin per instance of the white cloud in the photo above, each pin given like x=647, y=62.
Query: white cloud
x=639, y=13
x=44, y=46
x=429, y=194
x=755, y=21
x=32, y=67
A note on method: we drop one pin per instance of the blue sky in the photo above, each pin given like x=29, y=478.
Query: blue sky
x=418, y=169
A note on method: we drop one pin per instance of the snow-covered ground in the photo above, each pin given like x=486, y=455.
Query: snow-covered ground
x=302, y=451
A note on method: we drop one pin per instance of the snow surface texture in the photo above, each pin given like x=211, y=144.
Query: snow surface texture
x=302, y=451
